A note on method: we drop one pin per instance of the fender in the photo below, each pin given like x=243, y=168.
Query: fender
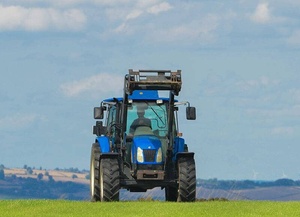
x=184, y=155
x=104, y=144
x=178, y=145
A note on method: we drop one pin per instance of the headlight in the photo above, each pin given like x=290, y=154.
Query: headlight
x=159, y=156
x=159, y=101
x=140, y=155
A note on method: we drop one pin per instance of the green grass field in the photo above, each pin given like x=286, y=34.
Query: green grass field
x=30, y=208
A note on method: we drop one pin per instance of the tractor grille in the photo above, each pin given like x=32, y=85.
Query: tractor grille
x=150, y=167
x=149, y=155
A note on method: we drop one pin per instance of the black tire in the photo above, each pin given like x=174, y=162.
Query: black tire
x=171, y=193
x=186, y=180
x=109, y=179
x=94, y=172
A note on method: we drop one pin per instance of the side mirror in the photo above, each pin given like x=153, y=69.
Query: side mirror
x=190, y=113
x=99, y=129
x=98, y=112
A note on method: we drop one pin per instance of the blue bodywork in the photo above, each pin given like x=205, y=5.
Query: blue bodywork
x=178, y=147
x=104, y=144
x=145, y=142
x=145, y=95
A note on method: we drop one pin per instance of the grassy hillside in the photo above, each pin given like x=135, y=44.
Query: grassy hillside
x=71, y=208
x=57, y=175
x=42, y=184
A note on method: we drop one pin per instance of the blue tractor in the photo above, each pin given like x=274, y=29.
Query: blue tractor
x=139, y=147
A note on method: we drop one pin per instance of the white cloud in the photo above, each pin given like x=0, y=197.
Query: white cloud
x=94, y=85
x=150, y=7
x=201, y=30
x=263, y=81
x=156, y=9
x=65, y=3
x=122, y=28
x=292, y=111
x=282, y=131
x=19, y=120
x=146, y=3
x=134, y=14
x=40, y=19
x=261, y=14
x=139, y=9
x=110, y=2
x=71, y=3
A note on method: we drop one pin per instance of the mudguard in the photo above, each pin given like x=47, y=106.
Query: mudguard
x=104, y=143
x=178, y=150
x=183, y=155
x=179, y=145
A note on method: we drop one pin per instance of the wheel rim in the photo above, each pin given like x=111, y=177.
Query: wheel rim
x=101, y=184
x=92, y=177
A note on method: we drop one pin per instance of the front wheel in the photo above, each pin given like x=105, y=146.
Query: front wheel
x=94, y=177
x=186, y=180
x=109, y=179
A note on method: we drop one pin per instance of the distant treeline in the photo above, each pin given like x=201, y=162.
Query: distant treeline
x=18, y=187
x=13, y=187
x=244, y=184
x=71, y=169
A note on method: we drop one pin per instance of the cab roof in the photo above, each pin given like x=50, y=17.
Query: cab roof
x=149, y=95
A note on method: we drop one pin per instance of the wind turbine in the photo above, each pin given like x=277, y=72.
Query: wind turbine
x=284, y=176
x=254, y=177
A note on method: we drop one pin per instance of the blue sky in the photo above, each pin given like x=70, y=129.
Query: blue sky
x=240, y=62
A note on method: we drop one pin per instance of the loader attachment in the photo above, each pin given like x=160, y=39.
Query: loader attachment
x=153, y=80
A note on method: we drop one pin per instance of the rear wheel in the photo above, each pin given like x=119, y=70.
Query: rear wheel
x=186, y=180
x=94, y=174
x=109, y=179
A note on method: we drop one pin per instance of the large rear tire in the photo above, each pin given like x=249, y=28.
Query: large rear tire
x=186, y=180
x=94, y=176
x=109, y=179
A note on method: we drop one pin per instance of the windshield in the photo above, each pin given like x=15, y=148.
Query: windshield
x=147, y=114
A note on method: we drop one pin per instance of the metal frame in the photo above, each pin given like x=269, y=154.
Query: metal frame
x=153, y=80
